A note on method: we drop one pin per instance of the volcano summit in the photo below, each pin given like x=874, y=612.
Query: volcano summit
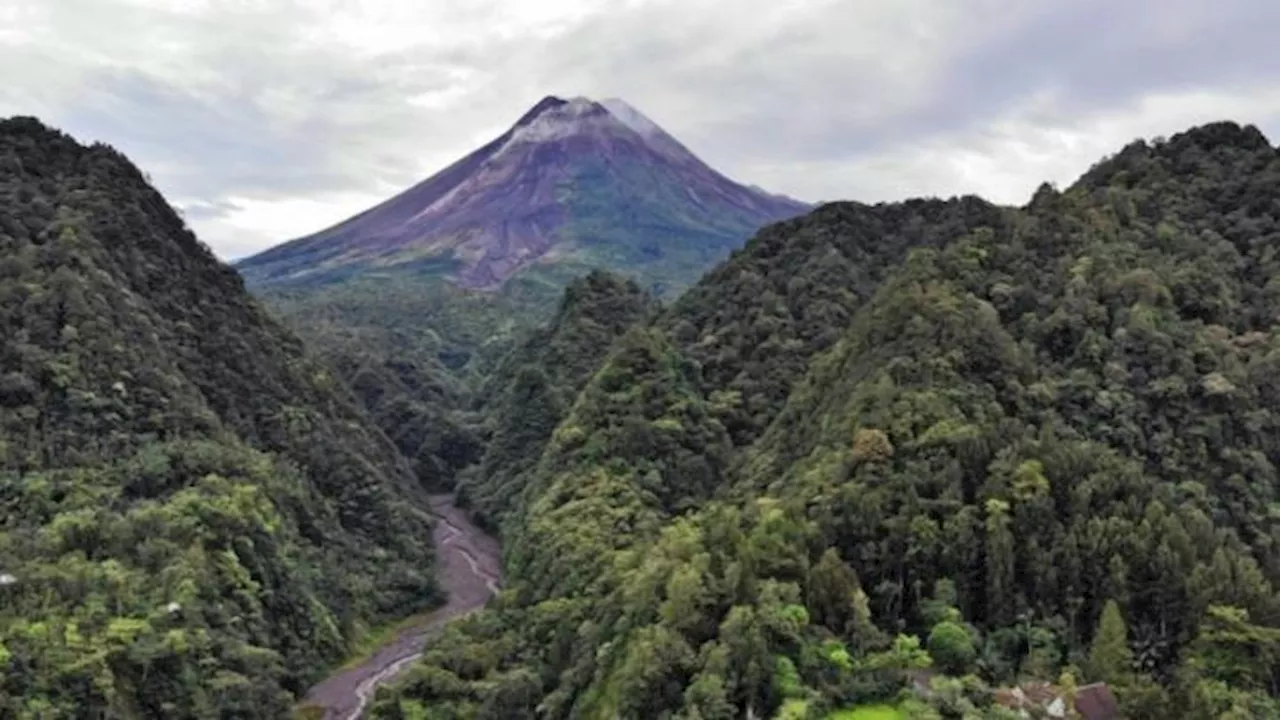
x=574, y=184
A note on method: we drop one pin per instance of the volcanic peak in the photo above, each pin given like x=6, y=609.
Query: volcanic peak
x=559, y=120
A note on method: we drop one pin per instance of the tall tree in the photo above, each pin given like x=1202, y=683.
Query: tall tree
x=1110, y=657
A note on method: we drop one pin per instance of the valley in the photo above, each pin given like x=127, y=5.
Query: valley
x=644, y=360
x=417, y=300
x=933, y=458
x=906, y=455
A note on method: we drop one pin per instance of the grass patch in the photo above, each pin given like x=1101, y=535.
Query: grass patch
x=369, y=641
x=868, y=712
x=308, y=712
x=793, y=710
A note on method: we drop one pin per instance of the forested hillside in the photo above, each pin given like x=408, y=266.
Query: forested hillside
x=413, y=351
x=534, y=387
x=1000, y=444
x=195, y=518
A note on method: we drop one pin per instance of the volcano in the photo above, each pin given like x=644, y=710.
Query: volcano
x=573, y=185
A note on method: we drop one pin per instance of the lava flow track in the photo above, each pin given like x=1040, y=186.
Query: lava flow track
x=468, y=564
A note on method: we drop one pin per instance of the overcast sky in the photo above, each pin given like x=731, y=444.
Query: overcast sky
x=269, y=119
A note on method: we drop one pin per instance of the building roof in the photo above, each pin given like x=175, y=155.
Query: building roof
x=1095, y=702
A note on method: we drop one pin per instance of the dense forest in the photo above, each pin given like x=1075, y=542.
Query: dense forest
x=533, y=387
x=430, y=361
x=413, y=350
x=932, y=442
x=897, y=456
x=196, y=519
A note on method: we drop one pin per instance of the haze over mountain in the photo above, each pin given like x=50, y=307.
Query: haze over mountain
x=574, y=184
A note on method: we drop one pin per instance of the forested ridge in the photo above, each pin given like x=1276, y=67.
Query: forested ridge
x=534, y=386
x=196, y=519
x=996, y=443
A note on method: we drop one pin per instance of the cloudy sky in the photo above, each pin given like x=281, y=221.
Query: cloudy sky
x=269, y=119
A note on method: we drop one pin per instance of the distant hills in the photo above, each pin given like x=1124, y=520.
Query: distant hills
x=573, y=185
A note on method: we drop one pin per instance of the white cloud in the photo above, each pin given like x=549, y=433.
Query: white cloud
x=1006, y=159
x=249, y=224
x=279, y=117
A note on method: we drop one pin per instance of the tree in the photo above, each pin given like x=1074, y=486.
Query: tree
x=905, y=654
x=1000, y=562
x=1232, y=649
x=1067, y=681
x=942, y=605
x=1110, y=658
x=952, y=648
x=833, y=595
x=871, y=445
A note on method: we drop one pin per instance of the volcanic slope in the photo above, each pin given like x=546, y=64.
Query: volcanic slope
x=574, y=184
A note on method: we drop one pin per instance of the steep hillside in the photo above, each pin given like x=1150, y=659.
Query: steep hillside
x=413, y=355
x=196, y=517
x=534, y=387
x=754, y=322
x=1004, y=444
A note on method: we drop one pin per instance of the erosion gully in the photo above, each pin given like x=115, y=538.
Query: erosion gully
x=469, y=567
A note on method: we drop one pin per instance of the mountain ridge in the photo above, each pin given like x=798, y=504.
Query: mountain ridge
x=196, y=518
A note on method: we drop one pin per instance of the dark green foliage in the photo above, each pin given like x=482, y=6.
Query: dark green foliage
x=949, y=420
x=835, y=596
x=756, y=321
x=420, y=407
x=413, y=351
x=175, y=474
x=534, y=387
x=638, y=446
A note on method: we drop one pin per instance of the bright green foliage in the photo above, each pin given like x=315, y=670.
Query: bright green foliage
x=905, y=653
x=787, y=679
x=194, y=516
x=951, y=648
x=868, y=712
x=795, y=709
x=1234, y=665
x=1110, y=657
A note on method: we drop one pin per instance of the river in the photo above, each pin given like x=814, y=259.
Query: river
x=468, y=563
